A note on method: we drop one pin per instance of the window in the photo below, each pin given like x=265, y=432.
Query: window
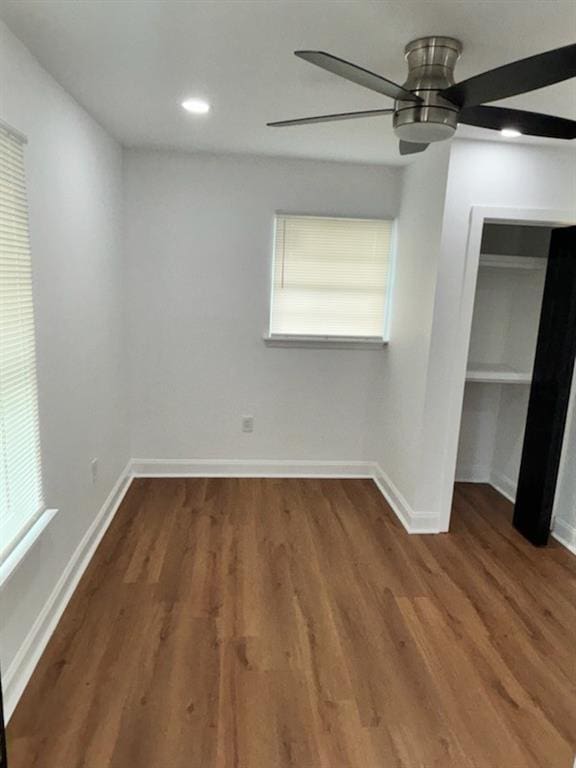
x=331, y=277
x=21, y=501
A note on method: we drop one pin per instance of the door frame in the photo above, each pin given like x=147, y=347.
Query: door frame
x=559, y=530
x=479, y=216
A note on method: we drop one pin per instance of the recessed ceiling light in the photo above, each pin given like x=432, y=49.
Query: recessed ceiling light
x=196, y=106
x=510, y=133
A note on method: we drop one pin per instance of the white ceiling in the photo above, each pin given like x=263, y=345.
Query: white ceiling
x=131, y=62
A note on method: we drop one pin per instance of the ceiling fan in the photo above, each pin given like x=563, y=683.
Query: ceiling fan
x=429, y=105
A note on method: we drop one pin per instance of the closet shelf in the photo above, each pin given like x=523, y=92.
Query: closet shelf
x=501, y=261
x=496, y=373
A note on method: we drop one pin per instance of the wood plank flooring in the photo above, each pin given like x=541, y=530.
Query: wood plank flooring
x=239, y=623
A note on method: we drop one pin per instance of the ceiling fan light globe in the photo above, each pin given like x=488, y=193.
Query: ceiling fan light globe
x=424, y=133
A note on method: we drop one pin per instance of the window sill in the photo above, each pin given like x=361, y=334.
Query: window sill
x=21, y=550
x=325, y=342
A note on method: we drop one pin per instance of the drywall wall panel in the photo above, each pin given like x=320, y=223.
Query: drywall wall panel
x=199, y=241
x=399, y=376
x=74, y=179
x=482, y=173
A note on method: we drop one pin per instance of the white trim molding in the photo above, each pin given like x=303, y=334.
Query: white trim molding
x=325, y=342
x=22, y=667
x=565, y=533
x=472, y=473
x=20, y=670
x=504, y=485
x=478, y=216
x=413, y=521
x=249, y=468
x=9, y=566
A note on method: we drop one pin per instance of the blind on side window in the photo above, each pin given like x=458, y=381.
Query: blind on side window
x=21, y=498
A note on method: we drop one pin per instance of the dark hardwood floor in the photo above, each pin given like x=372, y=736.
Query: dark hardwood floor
x=293, y=623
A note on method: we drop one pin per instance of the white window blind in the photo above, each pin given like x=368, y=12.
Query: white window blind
x=21, y=500
x=331, y=277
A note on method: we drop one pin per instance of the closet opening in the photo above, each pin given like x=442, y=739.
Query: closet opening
x=503, y=339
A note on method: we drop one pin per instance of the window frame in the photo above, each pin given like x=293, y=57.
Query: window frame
x=312, y=341
x=34, y=527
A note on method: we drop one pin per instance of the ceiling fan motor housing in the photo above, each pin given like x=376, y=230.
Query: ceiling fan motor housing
x=431, y=62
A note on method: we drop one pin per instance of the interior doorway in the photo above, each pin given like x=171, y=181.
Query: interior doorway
x=504, y=331
x=549, y=392
x=521, y=352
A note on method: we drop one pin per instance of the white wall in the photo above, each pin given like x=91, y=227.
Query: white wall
x=399, y=376
x=525, y=293
x=74, y=176
x=509, y=438
x=482, y=173
x=199, y=242
x=478, y=429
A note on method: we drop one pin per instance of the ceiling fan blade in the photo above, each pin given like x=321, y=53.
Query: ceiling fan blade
x=409, y=148
x=357, y=75
x=518, y=77
x=528, y=123
x=330, y=118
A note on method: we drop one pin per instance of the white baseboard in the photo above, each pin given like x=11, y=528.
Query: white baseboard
x=249, y=468
x=413, y=521
x=478, y=474
x=565, y=533
x=20, y=670
x=472, y=474
x=562, y=531
x=503, y=485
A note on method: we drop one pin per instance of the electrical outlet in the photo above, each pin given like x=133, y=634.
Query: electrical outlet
x=94, y=470
x=247, y=423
